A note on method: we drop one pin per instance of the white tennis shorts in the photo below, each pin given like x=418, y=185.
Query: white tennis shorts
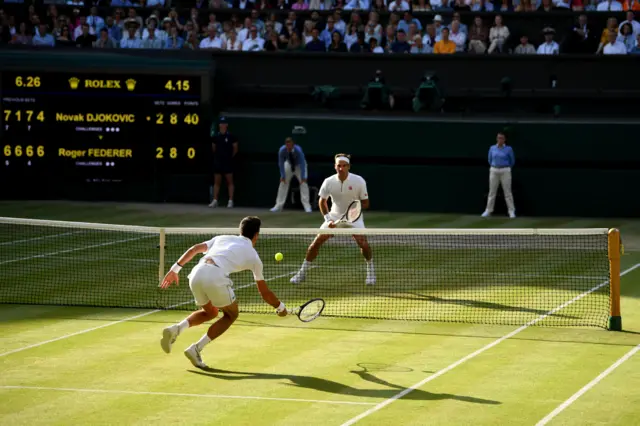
x=209, y=284
x=357, y=224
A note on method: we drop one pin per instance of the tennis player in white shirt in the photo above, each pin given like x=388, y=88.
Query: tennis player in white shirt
x=343, y=188
x=212, y=289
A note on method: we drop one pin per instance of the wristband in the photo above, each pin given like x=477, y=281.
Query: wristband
x=176, y=268
x=280, y=308
x=327, y=217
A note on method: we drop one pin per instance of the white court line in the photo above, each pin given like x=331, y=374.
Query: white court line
x=38, y=256
x=588, y=386
x=26, y=240
x=478, y=352
x=144, y=314
x=189, y=395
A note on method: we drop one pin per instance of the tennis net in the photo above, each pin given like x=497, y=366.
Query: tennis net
x=488, y=276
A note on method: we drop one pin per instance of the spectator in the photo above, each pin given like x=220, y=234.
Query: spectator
x=65, y=39
x=635, y=25
x=421, y=6
x=636, y=49
x=400, y=45
x=580, y=38
x=625, y=36
x=79, y=31
x=562, y=4
x=614, y=46
x=307, y=32
x=191, y=41
x=546, y=6
x=389, y=38
x=525, y=48
x=371, y=32
x=399, y=5
x=212, y=41
x=295, y=43
x=463, y=27
x=316, y=45
x=549, y=47
x=506, y=6
x=272, y=44
x=337, y=45
x=233, y=44
x=152, y=41
x=498, y=35
x=300, y=5
x=609, y=6
x=407, y=21
x=526, y=6
x=478, y=36
x=351, y=37
x=355, y=19
x=501, y=160
x=612, y=27
x=174, y=41
x=379, y=6
x=461, y=5
x=419, y=46
x=95, y=21
x=445, y=45
x=357, y=5
x=43, y=38
x=254, y=43
x=243, y=4
x=244, y=33
x=255, y=20
x=85, y=39
x=441, y=6
x=115, y=31
x=360, y=46
x=429, y=40
x=412, y=33
x=437, y=23
x=327, y=34
x=457, y=36
x=481, y=6
x=23, y=36
x=131, y=40
x=373, y=46
x=104, y=41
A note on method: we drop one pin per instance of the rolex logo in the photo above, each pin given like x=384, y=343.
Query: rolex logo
x=131, y=84
x=74, y=82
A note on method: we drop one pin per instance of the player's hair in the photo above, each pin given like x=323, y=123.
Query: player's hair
x=250, y=226
x=289, y=139
x=335, y=157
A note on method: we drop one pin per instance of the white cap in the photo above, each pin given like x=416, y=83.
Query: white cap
x=437, y=18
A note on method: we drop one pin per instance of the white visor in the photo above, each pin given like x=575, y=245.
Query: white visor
x=345, y=159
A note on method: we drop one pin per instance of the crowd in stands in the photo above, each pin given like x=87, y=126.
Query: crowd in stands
x=378, y=26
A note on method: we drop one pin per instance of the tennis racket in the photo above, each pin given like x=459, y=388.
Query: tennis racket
x=353, y=213
x=308, y=311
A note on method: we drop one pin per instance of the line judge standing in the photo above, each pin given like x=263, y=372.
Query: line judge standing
x=225, y=148
x=292, y=162
x=501, y=160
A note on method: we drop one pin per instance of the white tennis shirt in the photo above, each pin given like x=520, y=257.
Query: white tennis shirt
x=234, y=253
x=343, y=193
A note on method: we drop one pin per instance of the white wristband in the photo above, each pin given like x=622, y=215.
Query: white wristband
x=176, y=268
x=327, y=217
x=280, y=308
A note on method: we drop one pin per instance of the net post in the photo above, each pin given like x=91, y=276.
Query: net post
x=615, y=319
x=161, y=258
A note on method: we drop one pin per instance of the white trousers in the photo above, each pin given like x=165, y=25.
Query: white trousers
x=283, y=189
x=498, y=177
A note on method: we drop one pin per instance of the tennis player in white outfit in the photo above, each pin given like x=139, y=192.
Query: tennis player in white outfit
x=213, y=289
x=343, y=188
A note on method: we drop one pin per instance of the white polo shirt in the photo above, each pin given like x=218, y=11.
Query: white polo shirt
x=617, y=48
x=208, y=43
x=343, y=193
x=234, y=253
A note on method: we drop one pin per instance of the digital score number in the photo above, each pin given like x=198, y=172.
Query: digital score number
x=173, y=153
x=19, y=151
x=173, y=118
x=178, y=85
x=27, y=81
x=25, y=116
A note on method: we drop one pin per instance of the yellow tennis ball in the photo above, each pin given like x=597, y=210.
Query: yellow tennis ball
x=279, y=257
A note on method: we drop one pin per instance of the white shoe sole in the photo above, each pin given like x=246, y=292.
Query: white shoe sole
x=193, y=357
x=167, y=340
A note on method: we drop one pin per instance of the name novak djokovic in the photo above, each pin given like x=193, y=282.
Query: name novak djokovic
x=96, y=118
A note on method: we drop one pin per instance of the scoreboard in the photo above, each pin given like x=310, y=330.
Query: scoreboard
x=96, y=130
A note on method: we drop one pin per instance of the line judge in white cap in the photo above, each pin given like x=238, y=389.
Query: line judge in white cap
x=343, y=188
x=292, y=162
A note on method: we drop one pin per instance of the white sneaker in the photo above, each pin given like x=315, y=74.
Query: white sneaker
x=512, y=215
x=299, y=277
x=213, y=204
x=486, y=214
x=169, y=336
x=371, y=278
x=230, y=204
x=276, y=209
x=193, y=354
x=307, y=209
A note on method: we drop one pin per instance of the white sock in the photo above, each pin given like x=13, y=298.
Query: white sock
x=305, y=266
x=183, y=325
x=203, y=342
x=369, y=264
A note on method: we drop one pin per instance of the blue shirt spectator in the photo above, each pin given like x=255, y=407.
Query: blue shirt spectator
x=501, y=156
x=42, y=38
x=295, y=157
x=408, y=20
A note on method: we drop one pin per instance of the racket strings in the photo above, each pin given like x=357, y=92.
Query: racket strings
x=311, y=310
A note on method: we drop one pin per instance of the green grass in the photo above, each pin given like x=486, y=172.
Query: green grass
x=518, y=381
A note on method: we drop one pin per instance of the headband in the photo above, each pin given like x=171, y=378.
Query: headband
x=342, y=158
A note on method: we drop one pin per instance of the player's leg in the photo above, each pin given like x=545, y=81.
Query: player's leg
x=365, y=249
x=312, y=253
x=304, y=191
x=505, y=182
x=217, y=180
x=220, y=293
x=283, y=189
x=230, y=187
x=494, y=181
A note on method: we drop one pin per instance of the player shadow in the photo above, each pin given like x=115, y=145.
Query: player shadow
x=330, y=386
x=477, y=304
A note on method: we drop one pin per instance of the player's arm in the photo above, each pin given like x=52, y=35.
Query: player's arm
x=281, y=159
x=235, y=147
x=172, y=275
x=303, y=163
x=265, y=291
x=364, y=196
x=323, y=196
